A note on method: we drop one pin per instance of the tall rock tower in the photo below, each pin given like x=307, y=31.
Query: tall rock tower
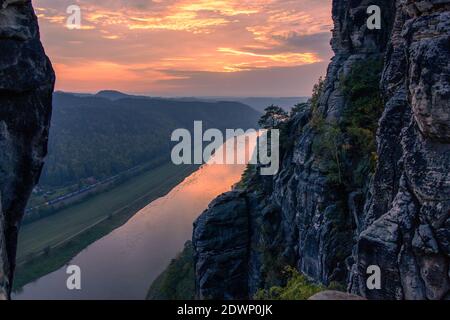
x=26, y=87
x=394, y=216
x=405, y=229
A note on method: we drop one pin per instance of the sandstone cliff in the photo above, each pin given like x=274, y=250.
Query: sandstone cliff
x=332, y=225
x=26, y=86
x=406, y=222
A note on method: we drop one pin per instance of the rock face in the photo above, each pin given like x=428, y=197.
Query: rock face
x=406, y=224
x=398, y=219
x=26, y=86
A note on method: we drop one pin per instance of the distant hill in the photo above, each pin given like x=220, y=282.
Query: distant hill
x=260, y=103
x=93, y=136
x=257, y=103
x=112, y=95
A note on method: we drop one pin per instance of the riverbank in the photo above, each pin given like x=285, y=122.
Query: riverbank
x=47, y=244
x=177, y=282
x=48, y=201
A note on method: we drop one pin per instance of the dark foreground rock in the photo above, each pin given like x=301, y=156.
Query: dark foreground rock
x=397, y=218
x=335, y=296
x=26, y=86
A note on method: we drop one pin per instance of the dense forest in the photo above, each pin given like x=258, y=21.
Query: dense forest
x=93, y=136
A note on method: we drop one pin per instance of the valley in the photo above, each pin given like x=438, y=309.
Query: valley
x=109, y=156
x=49, y=243
x=122, y=263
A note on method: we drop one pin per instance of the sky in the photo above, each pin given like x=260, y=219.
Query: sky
x=189, y=47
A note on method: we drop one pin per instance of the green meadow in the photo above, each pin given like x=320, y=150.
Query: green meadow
x=49, y=243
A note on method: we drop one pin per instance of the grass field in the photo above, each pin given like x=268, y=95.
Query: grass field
x=49, y=243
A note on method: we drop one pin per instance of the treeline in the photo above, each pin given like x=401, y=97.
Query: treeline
x=94, y=137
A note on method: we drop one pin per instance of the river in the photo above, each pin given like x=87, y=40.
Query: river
x=123, y=264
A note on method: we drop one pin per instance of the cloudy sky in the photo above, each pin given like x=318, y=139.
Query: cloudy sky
x=189, y=47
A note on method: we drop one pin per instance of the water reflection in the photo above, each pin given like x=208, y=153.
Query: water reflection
x=123, y=264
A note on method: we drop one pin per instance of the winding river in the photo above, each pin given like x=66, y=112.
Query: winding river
x=123, y=264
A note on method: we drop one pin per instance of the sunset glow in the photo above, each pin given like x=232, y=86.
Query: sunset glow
x=189, y=47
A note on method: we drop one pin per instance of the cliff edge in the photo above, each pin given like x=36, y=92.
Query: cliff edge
x=26, y=86
x=364, y=178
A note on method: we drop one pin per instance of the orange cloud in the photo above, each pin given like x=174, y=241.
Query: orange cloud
x=132, y=45
x=285, y=58
x=224, y=7
x=83, y=75
x=180, y=21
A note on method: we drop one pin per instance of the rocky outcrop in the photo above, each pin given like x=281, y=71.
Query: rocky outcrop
x=26, y=86
x=396, y=219
x=229, y=214
x=406, y=224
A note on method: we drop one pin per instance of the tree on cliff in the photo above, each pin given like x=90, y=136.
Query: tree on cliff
x=274, y=116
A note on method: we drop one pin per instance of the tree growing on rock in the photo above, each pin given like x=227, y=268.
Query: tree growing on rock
x=273, y=117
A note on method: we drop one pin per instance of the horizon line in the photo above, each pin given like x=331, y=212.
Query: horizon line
x=174, y=96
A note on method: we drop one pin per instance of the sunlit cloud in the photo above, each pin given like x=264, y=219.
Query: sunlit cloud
x=224, y=7
x=181, y=21
x=134, y=45
x=285, y=58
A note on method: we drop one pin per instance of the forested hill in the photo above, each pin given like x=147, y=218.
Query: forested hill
x=92, y=136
